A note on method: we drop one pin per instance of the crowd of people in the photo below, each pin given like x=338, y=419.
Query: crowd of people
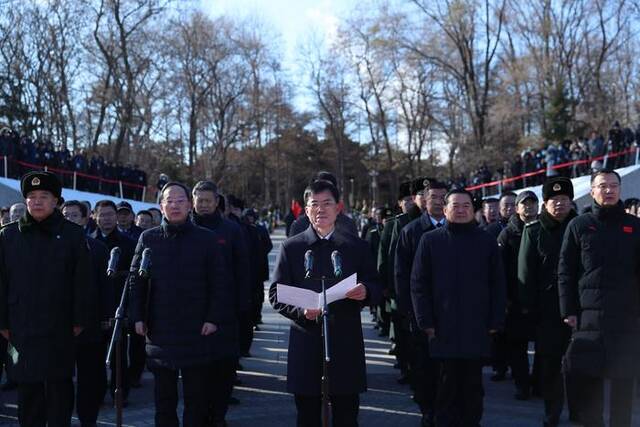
x=93, y=172
x=209, y=256
x=589, y=152
x=471, y=282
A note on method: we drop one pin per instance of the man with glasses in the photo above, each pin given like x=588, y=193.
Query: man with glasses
x=598, y=278
x=182, y=308
x=347, y=373
x=423, y=371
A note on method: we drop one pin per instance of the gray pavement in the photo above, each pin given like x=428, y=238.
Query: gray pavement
x=265, y=403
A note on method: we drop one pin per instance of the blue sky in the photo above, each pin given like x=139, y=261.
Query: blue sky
x=292, y=21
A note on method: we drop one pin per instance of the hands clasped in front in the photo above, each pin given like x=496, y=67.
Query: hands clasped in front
x=207, y=328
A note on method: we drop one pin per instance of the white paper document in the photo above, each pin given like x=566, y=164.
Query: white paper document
x=305, y=298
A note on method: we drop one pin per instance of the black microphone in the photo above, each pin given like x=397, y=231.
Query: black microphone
x=145, y=263
x=114, y=257
x=336, y=261
x=308, y=263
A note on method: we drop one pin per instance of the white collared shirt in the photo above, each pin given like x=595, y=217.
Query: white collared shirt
x=435, y=223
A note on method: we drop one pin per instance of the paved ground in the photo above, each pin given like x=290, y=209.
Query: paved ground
x=264, y=402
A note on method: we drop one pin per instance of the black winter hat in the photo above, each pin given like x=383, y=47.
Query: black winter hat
x=40, y=180
x=404, y=190
x=557, y=186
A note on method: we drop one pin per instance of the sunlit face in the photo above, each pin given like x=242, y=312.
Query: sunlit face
x=106, y=219
x=420, y=199
x=73, y=214
x=144, y=221
x=527, y=210
x=490, y=211
x=605, y=189
x=322, y=210
x=459, y=209
x=41, y=204
x=507, y=206
x=435, y=202
x=17, y=211
x=558, y=206
x=125, y=218
x=205, y=202
x=175, y=205
x=406, y=204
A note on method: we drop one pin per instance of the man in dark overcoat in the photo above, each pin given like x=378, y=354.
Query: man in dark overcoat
x=347, y=373
x=459, y=307
x=423, y=370
x=598, y=279
x=45, y=301
x=180, y=308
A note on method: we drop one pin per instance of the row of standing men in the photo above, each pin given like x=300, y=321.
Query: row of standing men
x=574, y=293
x=193, y=316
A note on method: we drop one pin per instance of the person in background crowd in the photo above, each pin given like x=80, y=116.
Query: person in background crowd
x=517, y=325
x=599, y=296
x=107, y=233
x=91, y=345
x=126, y=219
x=490, y=211
x=250, y=216
x=5, y=216
x=17, y=211
x=157, y=216
x=144, y=220
x=506, y=208
x=233, y=245
x=459, y=308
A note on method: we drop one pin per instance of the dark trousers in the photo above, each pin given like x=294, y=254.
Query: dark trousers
x=91, y=379
x=245, y=327
x=223, y=375
x=424, y=373
x=137, y=356
x=591, y=395
x=500, y=357
x=552, y=387
x=460, y=393
x=344, y=410
x=195, y=389
x=47, y=403
x=517, y=352
x=401, y=336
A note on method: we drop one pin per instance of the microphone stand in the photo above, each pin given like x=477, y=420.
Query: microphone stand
x=326, y=355
x=117, y=337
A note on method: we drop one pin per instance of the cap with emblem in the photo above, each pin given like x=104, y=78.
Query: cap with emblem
x=526, y=195
x=40, y=180
x=557, y=186
x=420, y=184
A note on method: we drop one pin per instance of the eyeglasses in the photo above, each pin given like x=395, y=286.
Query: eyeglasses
x=603, y=187
x=178, y=202
x=324, y=204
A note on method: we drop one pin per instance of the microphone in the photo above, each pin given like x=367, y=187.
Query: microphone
x=308, y=263
x=336, y=261
x=114, y=257
x=145, y=263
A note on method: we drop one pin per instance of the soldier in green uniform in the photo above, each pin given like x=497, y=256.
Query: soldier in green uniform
x=538, y=281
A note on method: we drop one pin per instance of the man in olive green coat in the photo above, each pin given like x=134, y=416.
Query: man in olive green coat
x=538, y=282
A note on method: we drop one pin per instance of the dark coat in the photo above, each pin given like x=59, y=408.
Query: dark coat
x=343, y=223
x=518, y=326
x=598, y=281
x=304, y=368
x=186, y=288
x=102, y=290
x=45, y=290
x=127, y=247
x=495, y=228
x=458, y=288
x=538, y=282
x=405, y=254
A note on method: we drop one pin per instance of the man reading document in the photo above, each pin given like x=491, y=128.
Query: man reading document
x=347, y=377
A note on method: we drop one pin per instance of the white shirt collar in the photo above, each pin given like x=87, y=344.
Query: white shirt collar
x=435, y=223
x=328, y=236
